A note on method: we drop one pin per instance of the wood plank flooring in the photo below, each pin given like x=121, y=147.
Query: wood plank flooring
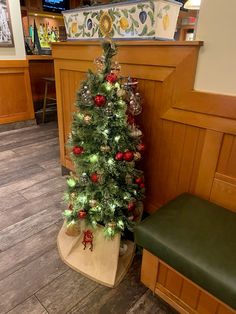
x=33, y=279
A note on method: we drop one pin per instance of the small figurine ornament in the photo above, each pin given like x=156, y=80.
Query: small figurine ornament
x=88, y=238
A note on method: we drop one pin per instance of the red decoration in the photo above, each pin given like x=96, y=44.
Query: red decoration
x=82, y=214
x=119, y=156
x=142, y=186
x=100, y=100
x=94, y=177
x=141, y=147
x=128, y=155
x=130, y=119
x=111, y=78
x=139, y=180
x=88, y=238
x=77, y=150
x=131, y=206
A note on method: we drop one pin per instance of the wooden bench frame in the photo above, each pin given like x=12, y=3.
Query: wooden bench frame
x=178, y=291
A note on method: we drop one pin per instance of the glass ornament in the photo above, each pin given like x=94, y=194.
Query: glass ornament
x=100, y=63
x=109, y=109
x=84, y=179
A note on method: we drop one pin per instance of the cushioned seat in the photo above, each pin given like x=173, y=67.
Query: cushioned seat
x=198, y=239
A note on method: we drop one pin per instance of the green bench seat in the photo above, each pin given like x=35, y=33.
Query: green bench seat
x=198, y=239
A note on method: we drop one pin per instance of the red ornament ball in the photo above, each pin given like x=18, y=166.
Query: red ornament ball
x=139, y=180
x=82, y=214
x=100, y=100
x=128, y=155
x=141, y=147
x=142, y=186
x=111, y=78
x=119, y=156
x=94, y=177
x=131, y=206
x=77, y=150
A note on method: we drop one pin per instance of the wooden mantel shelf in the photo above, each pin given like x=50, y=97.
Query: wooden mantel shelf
x=131, y=43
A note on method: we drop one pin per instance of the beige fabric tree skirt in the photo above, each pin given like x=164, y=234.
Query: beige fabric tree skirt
x=103, y=264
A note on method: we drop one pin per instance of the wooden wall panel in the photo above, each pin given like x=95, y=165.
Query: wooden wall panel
x=188, y=149
x=227, y=158
x=15, y=92
x=39, y=68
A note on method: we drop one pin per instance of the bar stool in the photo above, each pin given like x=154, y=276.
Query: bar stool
x=48, y=81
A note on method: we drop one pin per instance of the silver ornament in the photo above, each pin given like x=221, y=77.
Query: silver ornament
x=137, y=156
x=135, y=133
x=84, y=179
x=109, y=109
x=105, y=149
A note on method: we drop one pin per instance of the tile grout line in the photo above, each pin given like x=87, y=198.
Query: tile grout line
x=33, y=260
x=1, y=251
x=40, y=302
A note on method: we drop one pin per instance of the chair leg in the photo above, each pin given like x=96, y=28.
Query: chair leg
x=45, y=101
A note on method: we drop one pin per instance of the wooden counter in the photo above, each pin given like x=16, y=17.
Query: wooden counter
x=40, y=66
x=15, y=92
x=187, y=133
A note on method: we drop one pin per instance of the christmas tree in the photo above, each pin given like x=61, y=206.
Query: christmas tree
x=105, y=142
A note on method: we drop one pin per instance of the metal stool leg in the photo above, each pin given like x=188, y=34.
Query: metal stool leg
x=45, y=101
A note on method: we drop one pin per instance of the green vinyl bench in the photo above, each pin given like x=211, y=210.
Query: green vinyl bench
x=189, y=256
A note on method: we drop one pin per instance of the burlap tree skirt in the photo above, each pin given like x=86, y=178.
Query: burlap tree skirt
x=103, y=264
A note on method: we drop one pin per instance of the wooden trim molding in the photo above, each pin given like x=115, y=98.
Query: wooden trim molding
x=201, y=120
x=208, y=103
x=15, y=99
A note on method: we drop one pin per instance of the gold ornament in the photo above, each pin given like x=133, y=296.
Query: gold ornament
x=121, y=93
x=73, y=195
x=73, y=229
x=137, y=156
x=105, y=149
x=105, y=24
x=87, y=119
x=100, y=63
x=115, y=68
x=93, y=203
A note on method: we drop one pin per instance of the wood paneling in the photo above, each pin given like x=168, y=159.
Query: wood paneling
x=181, y=293
x=15, y=96
x=187, y=147
x=40, y=67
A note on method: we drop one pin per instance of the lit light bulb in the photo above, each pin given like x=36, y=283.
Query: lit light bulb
x=110, y=161
x=93, y=158
x=117, y=138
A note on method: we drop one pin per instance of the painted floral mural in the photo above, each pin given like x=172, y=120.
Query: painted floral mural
x=134, y=19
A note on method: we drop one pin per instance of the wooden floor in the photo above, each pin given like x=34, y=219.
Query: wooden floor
x=33, y=279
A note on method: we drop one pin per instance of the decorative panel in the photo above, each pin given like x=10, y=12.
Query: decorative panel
x=15, y=97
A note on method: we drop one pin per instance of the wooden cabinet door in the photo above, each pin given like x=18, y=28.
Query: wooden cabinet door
x=34, y=5
x=75, y=3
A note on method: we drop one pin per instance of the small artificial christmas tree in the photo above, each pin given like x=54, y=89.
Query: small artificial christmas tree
x=106, y=189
